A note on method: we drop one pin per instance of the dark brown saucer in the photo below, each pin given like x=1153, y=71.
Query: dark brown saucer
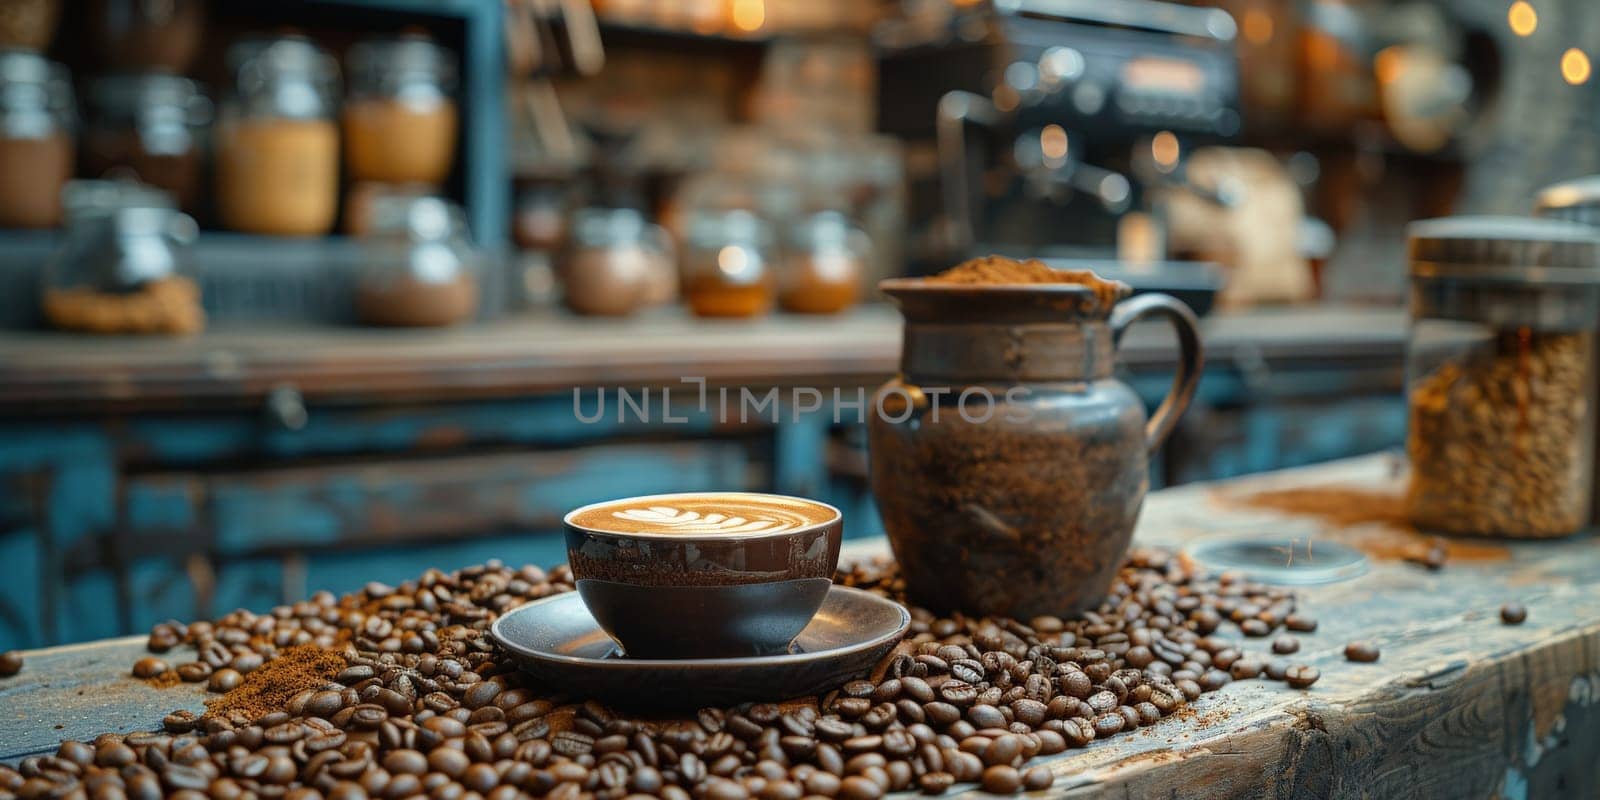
x=557, y=640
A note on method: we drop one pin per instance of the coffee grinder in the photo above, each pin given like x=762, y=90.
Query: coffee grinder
x=1053, y=119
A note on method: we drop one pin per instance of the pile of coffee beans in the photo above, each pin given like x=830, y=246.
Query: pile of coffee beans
x=427, y=705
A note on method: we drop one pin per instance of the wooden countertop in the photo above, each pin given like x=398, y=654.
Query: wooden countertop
x=1459, y=705
x=553, y=352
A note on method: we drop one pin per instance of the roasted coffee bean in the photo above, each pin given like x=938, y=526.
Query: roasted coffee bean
x=1077, y=684
x=986, y=716
x=1001, y=779
x=1284, y=645
x=936, y=782
x=149, y=667
x=324, y=704
x=1214, y=679
x=1005, y=749
x=181, y=721
x=1301, y=676
x=1513, y=613
x=10, y=663
x=1244, y=669
x=194, y=671
x=1300, y=623
x=1108, y=724
x=1038, y=779
x=224, y=680
x=958, y=693
x=1364, y=652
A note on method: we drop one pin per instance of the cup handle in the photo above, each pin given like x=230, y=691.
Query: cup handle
x=1191, y=357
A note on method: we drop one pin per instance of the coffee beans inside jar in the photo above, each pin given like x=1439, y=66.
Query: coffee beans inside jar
x=1497, y=443
x=409, y=696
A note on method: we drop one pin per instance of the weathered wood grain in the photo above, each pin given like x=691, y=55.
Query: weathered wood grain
x=1459, y=706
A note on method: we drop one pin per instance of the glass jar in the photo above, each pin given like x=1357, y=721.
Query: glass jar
x=28, y=24
x=400, y=117
x=277, y=143
x=823, y=265
x=419, y=267
x=151, y=126
x=616, y=263
x=36, y=139
x=1502, y=407
x=157, y=35
x=726, y=270
x=123, y=265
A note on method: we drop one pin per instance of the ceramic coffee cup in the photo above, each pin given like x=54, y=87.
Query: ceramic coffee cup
x=706, y=574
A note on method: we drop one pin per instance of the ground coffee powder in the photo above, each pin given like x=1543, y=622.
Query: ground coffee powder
x=999, y=271
x=269, y=688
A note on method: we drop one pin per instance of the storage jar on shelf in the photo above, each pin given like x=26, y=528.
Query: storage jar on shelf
x=824, y=263
x=123, y=265
x=277, y=142
x=400, y=119
x=726, y=269
x=419, y=267
x=151, y=126
x=37, y=125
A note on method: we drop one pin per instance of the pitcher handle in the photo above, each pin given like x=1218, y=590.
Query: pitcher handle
x=1191, y=357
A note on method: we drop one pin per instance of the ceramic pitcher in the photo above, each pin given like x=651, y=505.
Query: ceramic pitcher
x=1008, y=464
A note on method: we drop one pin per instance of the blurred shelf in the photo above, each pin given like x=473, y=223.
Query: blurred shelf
x=244, y=278
x=554, y=351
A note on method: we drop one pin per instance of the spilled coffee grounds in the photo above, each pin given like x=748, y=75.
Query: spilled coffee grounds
x=423, y=703
x=269, y=688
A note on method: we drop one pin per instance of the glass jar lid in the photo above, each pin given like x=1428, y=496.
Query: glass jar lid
x=285, y=76
x=1507, y=272
x=710, y=229
x=419, y=218
x=134, y=98
x=597, y=226
x=1577, y=200
x=1507, y=250
x=824, y=229
x=401, y=66
x=165, y=110
x=122, y=234
x=35, y=94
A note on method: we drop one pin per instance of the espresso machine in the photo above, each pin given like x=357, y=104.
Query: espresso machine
x=1055, y=122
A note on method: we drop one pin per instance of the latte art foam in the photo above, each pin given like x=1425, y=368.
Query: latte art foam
x=703, y=515
x=686, y=521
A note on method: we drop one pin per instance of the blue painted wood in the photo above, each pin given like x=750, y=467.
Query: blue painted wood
x=265, y=513
x=21, y=608
x=799, y=445
x=326, y=506
x=545, y=421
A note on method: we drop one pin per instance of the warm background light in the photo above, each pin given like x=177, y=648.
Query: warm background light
x=1257, y=26
x=1522, y=18
x=749, y=15
x=1164, y=149
x=1053, y=144
x=1575, y=66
